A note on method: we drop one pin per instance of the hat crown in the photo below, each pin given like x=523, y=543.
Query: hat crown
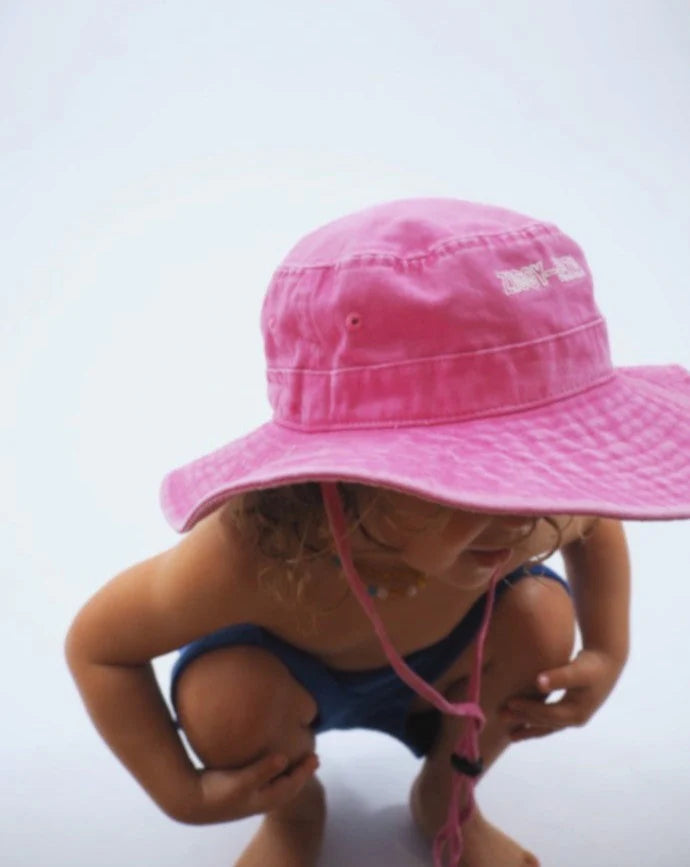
x=427, y=311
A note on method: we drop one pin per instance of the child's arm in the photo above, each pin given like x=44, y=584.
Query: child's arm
x=598, y=570
x=147, y=610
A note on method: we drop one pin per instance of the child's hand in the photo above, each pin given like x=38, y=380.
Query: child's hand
x=225, y=795
x=587, y=680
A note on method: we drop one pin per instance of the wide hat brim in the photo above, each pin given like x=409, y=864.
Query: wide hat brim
x=619, y=449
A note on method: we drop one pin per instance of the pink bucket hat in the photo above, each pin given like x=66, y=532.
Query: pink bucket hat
x=454, y=351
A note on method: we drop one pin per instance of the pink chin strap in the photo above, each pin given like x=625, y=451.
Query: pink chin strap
x=465, y=760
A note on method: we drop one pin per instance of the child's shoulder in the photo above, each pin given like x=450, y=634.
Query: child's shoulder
x=219, y=554
x=200, y=584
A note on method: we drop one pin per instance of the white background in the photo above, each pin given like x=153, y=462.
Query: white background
x=158, y=160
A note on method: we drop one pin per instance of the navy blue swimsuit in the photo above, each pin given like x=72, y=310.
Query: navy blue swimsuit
x=376, y=698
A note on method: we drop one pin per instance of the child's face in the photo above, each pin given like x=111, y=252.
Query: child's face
x=458, y=547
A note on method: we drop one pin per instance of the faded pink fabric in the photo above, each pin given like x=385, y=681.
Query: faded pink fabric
x=454, y=351
x=451, y=350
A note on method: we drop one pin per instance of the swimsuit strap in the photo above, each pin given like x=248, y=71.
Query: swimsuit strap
x=465, y=759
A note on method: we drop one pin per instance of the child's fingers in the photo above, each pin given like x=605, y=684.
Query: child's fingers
x=588, y=667
x=535, y=713
x=286, y=786
x=226, y=794
x=260, y=774
x=570, y=676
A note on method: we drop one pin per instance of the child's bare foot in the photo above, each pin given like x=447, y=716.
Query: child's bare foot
x=486, y=846
x=290, y=837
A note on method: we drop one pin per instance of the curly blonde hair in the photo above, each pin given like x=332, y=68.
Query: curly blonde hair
x=289, y=527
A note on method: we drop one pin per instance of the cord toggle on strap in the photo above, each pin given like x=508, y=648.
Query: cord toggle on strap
x=468, y=767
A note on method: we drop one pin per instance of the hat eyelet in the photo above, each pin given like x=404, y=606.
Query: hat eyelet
x=353, y=321
x=272, y=322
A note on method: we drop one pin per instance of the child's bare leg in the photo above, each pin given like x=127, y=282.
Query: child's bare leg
x=532, y=629
x=237, y=704
x=290, y=837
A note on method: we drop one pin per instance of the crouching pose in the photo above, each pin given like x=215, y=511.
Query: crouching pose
x=446, y=416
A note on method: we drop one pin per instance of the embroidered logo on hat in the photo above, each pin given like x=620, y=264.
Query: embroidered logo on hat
x=535, y=276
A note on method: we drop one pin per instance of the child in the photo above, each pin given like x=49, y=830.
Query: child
x=445, y=415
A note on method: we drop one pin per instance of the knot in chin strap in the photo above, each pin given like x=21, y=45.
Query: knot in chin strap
x=465, y=758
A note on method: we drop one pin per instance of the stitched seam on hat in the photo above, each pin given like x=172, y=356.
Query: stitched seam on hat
x=433, y=359
x=440, y=250
x=441, y=419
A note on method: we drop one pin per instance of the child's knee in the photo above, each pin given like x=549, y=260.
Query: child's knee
x=239, y=703
x=537, y=624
